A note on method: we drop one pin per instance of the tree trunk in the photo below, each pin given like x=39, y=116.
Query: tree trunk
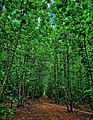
x=89, y=73
x=68, y=80
x=11, y=60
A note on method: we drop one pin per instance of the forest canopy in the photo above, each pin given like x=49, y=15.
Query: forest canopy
x=46, y=48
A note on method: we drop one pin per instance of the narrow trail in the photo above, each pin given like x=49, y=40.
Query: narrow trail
x=48, y=111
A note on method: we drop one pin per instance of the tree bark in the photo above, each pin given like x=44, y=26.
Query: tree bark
x=69, y=100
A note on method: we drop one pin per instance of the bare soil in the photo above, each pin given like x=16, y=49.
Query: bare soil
x=43, y=109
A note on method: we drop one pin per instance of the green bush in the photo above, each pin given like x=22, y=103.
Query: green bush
x=5, y=111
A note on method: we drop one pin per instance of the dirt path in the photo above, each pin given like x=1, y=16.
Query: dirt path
x=48, y=111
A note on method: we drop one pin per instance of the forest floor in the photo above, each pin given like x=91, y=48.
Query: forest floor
x=44, y=110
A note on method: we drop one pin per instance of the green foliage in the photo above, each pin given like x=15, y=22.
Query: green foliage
x=4, y=56
x=12, y=99
x=5, y=111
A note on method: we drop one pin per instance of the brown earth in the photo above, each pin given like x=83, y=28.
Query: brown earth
x=42, y=109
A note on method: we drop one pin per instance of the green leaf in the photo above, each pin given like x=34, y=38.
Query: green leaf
x=4, y=56
x=3, y=116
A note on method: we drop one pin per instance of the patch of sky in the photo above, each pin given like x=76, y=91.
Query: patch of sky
x=73, y=0
x=48, y=5
x=15, y=20
x=52, y=1
x=9, y=17
x=52, y=18
x=39, y=19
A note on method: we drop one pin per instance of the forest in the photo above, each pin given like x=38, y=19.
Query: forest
x=46, y=59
